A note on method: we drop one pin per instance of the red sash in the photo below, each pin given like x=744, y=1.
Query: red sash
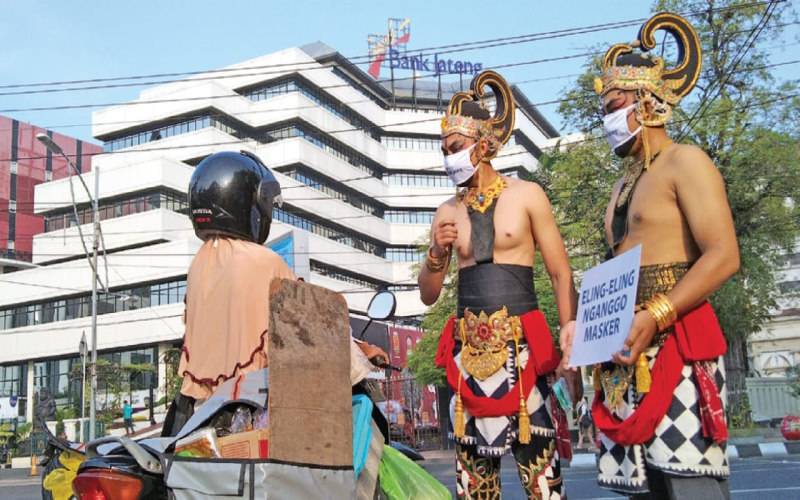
x=697, y=338
x=541, y=350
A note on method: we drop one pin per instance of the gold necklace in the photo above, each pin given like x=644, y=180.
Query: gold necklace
x=634, y=171
x=482, y=199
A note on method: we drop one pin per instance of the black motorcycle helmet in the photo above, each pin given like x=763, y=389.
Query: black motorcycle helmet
x=232, y=194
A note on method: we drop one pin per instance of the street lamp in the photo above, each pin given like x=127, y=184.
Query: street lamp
x=50, y=144
x=82, y=350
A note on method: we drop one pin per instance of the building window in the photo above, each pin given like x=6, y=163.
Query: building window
x=325, y=185
x=344, y=275
x=409, y=216
x=297, y=218
x=359, y=87
x=418, y=143
x=326, y=143
x=14, y=382
x=403, y=254
x=417, y=180
x=118, y=207
x=175, y=127
x=123, y=299
x=52, y=379
x=296, y=83
x=789, y=287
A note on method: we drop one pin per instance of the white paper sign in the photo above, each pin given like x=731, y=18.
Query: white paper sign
x=605, y=308
x=9, y=408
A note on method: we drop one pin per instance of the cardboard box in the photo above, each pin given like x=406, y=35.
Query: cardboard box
x=251, y=444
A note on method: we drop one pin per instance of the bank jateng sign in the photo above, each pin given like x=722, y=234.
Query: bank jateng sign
x=391, y=50
x=438, y=65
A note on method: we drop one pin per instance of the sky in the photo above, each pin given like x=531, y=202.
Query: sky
x=50, y=41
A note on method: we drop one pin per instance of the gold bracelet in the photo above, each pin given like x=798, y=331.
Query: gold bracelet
x=434, y=264
x=663, y=311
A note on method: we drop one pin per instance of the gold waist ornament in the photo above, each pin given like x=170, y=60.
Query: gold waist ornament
x=659, y=279
x=484, y=341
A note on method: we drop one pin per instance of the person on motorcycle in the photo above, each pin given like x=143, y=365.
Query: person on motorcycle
x=227, y=289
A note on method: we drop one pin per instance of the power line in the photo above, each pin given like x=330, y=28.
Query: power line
x=720, y=84
x=365, y=59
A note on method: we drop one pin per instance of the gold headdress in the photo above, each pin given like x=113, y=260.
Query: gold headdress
x=626, y=70
x=467, y=115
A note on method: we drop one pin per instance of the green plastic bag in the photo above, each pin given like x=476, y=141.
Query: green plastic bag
x=402, y=479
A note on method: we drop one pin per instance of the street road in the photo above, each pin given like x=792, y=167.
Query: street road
x=776, y=478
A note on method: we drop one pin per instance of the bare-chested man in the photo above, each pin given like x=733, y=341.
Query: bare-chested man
x=663, y=425
x=498, y=337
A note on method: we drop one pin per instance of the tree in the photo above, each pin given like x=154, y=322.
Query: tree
x=746, y=121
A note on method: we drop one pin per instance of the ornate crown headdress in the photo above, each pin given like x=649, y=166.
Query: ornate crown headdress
x=466, y=114
x=626, y=70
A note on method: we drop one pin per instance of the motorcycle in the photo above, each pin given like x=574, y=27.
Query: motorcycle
x=120, y=468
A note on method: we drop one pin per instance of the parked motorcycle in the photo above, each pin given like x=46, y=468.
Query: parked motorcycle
x=120, y=468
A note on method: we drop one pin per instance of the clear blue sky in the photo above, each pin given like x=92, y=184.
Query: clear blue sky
x=50, y=41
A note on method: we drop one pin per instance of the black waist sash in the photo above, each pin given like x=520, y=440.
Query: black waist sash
x=488, y=287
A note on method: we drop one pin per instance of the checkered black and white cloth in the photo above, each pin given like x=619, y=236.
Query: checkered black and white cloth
x=494, y=435
x=677, y=447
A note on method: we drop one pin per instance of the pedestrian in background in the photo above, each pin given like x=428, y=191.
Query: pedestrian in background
x=127, y=415
x=584, y=422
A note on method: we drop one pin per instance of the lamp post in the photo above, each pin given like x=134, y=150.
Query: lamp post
x=56, y=149
x=82, y=349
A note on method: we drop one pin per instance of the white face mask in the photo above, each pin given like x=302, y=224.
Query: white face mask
x=459, y=167
x=616, y=127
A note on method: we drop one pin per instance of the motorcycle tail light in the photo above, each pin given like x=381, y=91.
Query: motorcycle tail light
x=106, y=485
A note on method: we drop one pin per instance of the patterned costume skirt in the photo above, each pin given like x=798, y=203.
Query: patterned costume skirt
x=678, y=446
x=493, y=435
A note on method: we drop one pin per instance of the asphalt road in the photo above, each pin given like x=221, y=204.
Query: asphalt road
x=776, y=478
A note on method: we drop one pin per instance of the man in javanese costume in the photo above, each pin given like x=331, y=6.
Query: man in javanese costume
x=497, y=351
x=662, y=422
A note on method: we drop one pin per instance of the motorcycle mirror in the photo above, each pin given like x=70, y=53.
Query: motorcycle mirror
x=382, y=305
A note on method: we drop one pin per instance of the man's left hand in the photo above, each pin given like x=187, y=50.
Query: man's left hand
x=565, y=337
x=574, y=382
x=641, y=334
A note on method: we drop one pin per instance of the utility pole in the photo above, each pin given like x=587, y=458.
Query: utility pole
x=50, y=144
x=82, y=348
x=95, y=246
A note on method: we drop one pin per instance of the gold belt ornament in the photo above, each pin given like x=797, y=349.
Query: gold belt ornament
x=484, y=341
x=614, y=383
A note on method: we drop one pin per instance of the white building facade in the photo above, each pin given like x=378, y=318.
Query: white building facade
x=360, y=169
x=776, y=347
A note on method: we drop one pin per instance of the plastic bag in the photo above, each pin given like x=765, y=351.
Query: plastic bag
x=242, y=420
x=402, y=479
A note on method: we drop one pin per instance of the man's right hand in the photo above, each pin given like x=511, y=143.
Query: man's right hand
x=444, y=234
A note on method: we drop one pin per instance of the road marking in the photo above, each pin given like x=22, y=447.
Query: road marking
x=788, y=488
x=19, y=482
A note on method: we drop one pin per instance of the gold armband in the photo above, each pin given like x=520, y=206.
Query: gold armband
x=433, y=264
x=662, y=310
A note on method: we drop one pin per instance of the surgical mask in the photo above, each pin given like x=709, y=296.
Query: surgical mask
x=459, y=167
x=617, y=134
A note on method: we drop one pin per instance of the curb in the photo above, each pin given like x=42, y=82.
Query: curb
x=775, y=449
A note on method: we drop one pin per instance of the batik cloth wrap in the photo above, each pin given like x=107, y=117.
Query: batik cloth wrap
x=491, y=405
x=678, y=427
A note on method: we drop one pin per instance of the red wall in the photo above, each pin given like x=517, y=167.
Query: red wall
x=31, y=168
